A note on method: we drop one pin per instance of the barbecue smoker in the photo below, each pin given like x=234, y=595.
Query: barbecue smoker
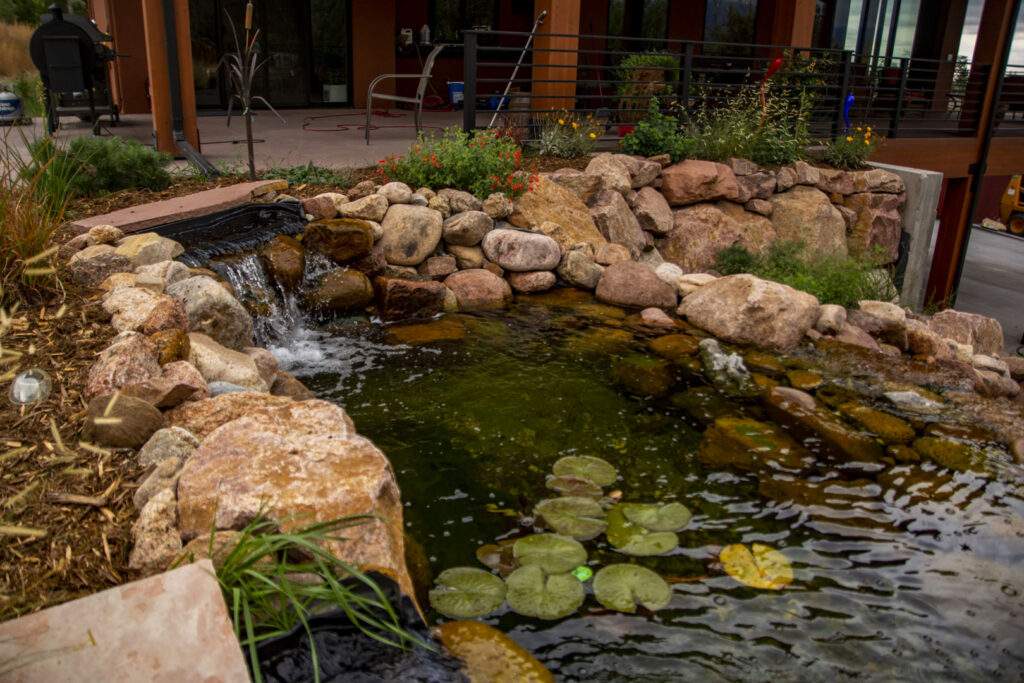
x=72, y=59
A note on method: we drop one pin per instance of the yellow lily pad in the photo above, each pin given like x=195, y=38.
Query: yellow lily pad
x=488, y=655
x=758, y=566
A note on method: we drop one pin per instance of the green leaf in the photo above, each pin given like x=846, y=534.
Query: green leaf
x=622, y=587
x=657, y=517
x=465, y=592
x=581, y=518
x=599, y=471
x=553, y=553
x=532, y=594
x=632, y=539
x=573, y=486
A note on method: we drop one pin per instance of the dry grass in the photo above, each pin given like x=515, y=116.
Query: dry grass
x=14, y=57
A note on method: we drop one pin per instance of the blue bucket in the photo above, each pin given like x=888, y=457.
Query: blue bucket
x=456, y=93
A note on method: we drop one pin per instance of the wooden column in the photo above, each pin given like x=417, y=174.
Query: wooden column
x=785, y=22
x=159, y=75
x=373, y=47
x=994, y=31
x=563, y=17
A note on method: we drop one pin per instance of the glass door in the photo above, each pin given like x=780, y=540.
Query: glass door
x=285, y=34
x=329, y=57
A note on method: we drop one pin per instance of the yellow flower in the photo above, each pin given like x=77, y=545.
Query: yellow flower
x=867, y=142
x=593, y=136
x=859, y=129
x=561, y=122
x=869, y=129
x=575, y=125
x=849, y=138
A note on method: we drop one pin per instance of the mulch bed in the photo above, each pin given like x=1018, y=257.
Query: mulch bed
x=65, y=509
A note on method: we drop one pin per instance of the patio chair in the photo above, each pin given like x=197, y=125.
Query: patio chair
x=421, y=89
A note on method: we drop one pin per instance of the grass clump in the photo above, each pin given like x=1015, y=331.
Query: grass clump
x=657, y=133
x=568, y=135
x=274, y=581
x=833, y=279
x=480, y=163
x=99, y=165
x=852, y=149
x=310, y=174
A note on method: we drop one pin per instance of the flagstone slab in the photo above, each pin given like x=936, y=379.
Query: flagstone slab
x=169, y=627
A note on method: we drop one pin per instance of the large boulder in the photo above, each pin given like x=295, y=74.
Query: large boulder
x=341, y=291
x=466, y=229
x=551, y=203
x=157, y=276
x=478, y=289
x=693, y=181
x=369, y=208
x=748, y=310
x=652, y=211
x=583, y=185
x=617, y=223
x=131, y=358
x=217, y=363
x=396, y=192
x=411, y=234
x=297, y=464
x=129, y=307
x=579, y=269
x=534, y=281
x=178, y=382
x=613, y=173
x=213, y=311
x=805, y=214
x=460, y=200
x=201, y=418
x=92, y=265
x=876, y=180
x=701, y=231
x=285, y=259
x=400, y=298
x=983, y=333
x=634, y=285
x=148, y=247
x=521, y=251
x=641, y=171
x=340, y=239
x=877, y=227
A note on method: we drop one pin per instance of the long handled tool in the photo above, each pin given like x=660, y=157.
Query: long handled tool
x=515, y=71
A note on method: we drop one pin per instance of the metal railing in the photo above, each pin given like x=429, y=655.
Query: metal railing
x=581, y=73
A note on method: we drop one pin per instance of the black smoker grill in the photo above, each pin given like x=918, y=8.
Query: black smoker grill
x=72, y=59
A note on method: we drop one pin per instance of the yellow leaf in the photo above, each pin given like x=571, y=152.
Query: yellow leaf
x=758, y=566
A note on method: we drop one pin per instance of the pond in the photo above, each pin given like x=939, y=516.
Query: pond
x=903, y=570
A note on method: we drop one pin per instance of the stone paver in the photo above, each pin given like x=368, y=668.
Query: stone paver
x=145, y=216
x=169, y=627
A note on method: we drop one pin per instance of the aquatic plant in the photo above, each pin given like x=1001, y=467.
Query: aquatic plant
x=533, y=593
x=466, y=592
x=599, y=471
x=631, y=538
x=655, y=517
x=487, y=654
x=758, y=566
x=581, y=518
x=553, y=553
x=622, y=587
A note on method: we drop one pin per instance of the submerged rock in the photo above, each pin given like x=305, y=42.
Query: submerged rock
x=443, y=329
x=888, y=428
x=489, y=655
x=953, y=454
x=807, y=420
x=750, y=445
x=725, y=371
x=643, y=375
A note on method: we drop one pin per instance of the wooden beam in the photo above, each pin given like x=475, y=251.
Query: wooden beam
x=563, y=17
x=159, y=74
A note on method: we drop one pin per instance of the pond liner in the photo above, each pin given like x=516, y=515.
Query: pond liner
x=232, y=231
x=347, y=654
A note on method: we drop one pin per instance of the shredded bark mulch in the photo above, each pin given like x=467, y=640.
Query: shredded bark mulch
x=65, y=508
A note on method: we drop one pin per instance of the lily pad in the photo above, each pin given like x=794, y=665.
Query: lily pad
x=466, y=592
x=655, y=517
x=553, y=553
x=599, y=471
x=581, y=518
x=497, y=556
x=630, y=538
x=489, y=655
x=758, y=566
x=533, y=594
x=573, y=486
x=622, y=587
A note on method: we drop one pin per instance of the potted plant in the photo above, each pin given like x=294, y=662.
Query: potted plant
x=643, y=76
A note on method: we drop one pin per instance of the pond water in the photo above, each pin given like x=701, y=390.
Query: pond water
x=903, y=571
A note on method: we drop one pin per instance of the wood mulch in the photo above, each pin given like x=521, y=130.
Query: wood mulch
x=65, y=507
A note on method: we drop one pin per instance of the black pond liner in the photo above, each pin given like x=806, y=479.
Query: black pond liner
x=347, y=654
x=234, y=230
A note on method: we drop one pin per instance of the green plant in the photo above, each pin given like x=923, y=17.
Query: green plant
x=91, y=166
x=274, y=581
x=641, y=77
x=481, y=163
x=657, y=133
x=311, y=174
x=851, y=150
x=833, y=279
x=29, y=89
x=567, y=135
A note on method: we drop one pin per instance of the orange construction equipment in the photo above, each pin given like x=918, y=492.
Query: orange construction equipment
x=1011, y=207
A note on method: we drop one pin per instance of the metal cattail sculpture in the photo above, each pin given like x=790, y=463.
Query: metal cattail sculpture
x=242, y=65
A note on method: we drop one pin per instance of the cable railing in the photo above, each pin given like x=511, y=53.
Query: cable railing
x=590, y=74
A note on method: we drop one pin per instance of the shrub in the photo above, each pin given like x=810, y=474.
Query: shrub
x=833, y=279
x=657, y=133
x=480, y=163
x=850, y=151
x=311, y=174
x=98, y=165
x=29, y=89
x=567, y=135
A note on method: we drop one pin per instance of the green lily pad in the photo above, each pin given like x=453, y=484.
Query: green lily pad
x=533, y=594
x=599, y=471
x=655, y=517
x=553, y=553
x=622, y=587
x=581, y=518
x=632, y=539
x=573, y=486
x=465, y=592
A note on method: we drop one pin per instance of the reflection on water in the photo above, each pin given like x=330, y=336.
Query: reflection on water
x=904, y=571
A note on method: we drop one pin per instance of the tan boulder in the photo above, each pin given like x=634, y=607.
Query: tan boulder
x=131, y=358
x=877, y=180
x=652, y=211
x=411, y=233
x=748, y=310
x=805, y=214
x=94, y=264
x=568, y=217
x=478, y=289
x=700, y=232
x=876, y=227
x=129, y=307
x=613, y=173
x=369, y=208
x=341, y=291
x=340, y=239
x=634, y=285
x=212, y=310
x=178, y=382
x=583, y=185
x=200, y=418
x=693, y=181
x=218, y=363
x=155, y=539
x=616, y=221
x=983, y=333
x=148, y=247
x=105, y=234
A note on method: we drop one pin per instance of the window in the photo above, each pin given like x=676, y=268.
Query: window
x=730, y=21
x=452, y=17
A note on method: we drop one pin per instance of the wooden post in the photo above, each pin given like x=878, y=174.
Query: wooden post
x=785, y=22
x=159, y=83
x=563, y=17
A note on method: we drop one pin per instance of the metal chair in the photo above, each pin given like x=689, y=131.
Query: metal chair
x=421, y=89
